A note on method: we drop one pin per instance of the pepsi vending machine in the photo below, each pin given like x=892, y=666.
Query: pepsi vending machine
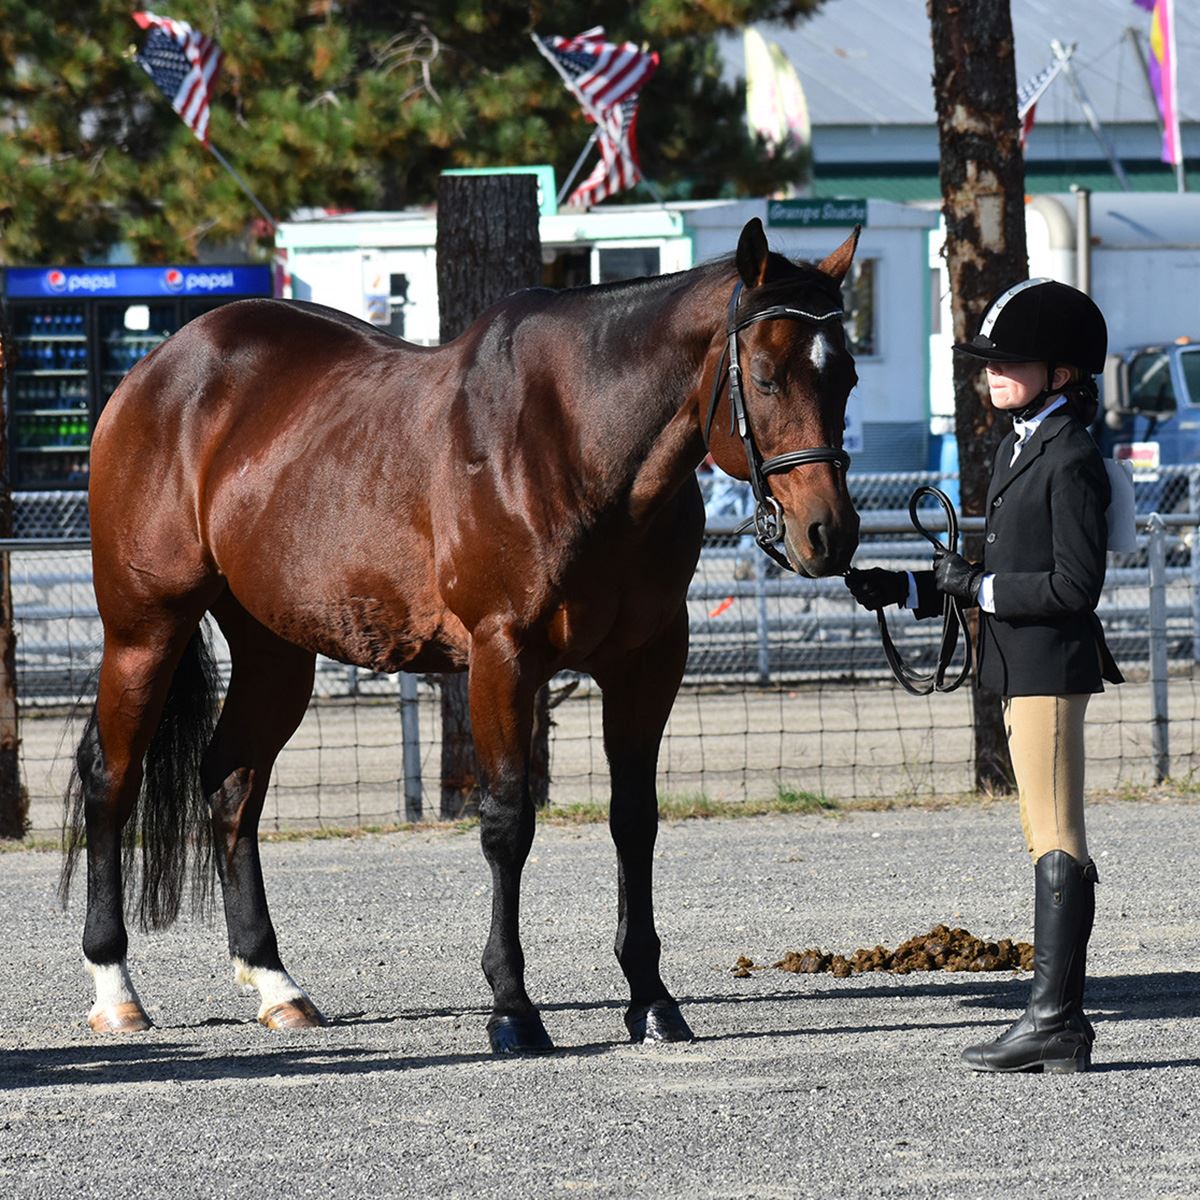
x=75, y=333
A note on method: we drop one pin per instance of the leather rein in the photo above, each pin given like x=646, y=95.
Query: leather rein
x=954, y=618
x=768, y=513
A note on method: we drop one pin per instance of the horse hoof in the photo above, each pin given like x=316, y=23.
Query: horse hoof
x=127, y=1017
x=519, y=1035
x=300, y=1013
x=661, y=1021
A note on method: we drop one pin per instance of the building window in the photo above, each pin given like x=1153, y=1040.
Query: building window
x=566, y=267
x=628, y=262
x=858, y=296
x=935, y=300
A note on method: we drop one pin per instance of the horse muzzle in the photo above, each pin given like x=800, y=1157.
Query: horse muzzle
x=821, y=544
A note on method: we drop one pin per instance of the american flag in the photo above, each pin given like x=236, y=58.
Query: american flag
x=184, y=66
x=618, y=167
x=606, y=79
x=1029, y=93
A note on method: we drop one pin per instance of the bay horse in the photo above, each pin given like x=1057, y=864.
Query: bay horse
x=518, y=501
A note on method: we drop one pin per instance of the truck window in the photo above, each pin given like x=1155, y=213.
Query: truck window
x=1189, y=365
x=1150, y=387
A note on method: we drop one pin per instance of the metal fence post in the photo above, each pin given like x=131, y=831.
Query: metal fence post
x=1194, y=558
x=1160, y=728
x=760, y=600
x=410, y=732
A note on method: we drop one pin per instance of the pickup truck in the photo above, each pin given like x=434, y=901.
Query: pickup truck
x=1151, y=417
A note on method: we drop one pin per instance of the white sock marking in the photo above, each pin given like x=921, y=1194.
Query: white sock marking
x=274, y=987
x=113, y=986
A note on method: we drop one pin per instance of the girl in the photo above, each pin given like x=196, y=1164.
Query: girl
x=1041, y=645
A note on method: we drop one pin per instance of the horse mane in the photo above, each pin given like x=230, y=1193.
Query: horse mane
x=791, y=279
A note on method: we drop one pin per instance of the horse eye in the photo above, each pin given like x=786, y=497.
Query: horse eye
x=767, y=386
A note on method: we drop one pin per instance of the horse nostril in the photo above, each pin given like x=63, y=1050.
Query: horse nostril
x=817, y=540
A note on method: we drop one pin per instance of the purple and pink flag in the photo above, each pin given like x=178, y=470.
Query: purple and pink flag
x=1163, y=73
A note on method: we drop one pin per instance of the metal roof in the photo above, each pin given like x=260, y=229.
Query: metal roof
x=869, y=62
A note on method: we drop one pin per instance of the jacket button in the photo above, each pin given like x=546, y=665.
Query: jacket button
x=991, y=537
x=999, y=500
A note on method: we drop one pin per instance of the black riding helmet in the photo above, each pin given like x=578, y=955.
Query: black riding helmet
x=1042, y=320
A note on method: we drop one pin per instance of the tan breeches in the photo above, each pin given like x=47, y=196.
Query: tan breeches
x=1045, y=739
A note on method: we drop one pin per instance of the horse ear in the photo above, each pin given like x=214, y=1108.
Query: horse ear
x=752, y=253
x=838, y=263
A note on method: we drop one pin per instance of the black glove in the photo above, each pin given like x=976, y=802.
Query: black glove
x=874, y=588
x=956, y=577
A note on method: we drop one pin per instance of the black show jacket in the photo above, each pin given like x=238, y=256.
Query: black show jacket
x=1045, y=542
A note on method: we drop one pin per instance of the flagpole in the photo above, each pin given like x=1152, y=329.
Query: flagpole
x=1132, y=35
x=270, y=220
x=566, y=187
x=1063, y=54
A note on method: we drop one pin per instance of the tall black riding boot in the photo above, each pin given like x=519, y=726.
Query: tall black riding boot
x=1079, y=964
x=1052, y=1034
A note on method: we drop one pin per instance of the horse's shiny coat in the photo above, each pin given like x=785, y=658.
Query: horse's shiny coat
x=516, y=502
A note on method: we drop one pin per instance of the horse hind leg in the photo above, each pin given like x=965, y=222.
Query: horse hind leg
x=152, y=701
x=269, y=690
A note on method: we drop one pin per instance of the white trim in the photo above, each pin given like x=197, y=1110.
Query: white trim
x=989, y=317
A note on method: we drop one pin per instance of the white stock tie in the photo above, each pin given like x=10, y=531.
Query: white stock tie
x=1024, y=432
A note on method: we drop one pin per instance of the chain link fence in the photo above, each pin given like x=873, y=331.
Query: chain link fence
x=786, y=688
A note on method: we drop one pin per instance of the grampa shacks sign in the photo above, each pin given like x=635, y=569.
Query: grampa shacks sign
x=816, y=212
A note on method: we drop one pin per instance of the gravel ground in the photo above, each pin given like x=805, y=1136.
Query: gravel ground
x=796, y=1085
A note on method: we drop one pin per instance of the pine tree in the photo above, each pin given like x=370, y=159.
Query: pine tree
x=356, y=104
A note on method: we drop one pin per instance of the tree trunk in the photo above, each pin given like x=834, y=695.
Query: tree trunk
x=14, y=803
x=983, y=186
x=488, y=245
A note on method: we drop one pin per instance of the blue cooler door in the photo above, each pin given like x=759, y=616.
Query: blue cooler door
x=49, y=394
x=126, y=331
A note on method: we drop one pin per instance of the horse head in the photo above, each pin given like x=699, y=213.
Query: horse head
x=782, y=389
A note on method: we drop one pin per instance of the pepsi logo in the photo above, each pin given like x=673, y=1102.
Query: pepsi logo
x=173, y=278
x=56, y=280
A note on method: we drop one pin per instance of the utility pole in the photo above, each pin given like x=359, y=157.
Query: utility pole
x=983, y=201
x=14, y=803
x=488, y=246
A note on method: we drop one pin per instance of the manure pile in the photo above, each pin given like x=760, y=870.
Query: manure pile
x=941, y=949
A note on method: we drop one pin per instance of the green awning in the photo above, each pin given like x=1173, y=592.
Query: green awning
x=919, y=181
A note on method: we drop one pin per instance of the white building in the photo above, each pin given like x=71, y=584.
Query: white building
x=866, y=67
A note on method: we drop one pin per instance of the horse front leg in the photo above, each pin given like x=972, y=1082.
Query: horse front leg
x=638, y=695
x=501, y=694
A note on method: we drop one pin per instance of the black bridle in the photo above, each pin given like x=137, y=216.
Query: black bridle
x=768, y=513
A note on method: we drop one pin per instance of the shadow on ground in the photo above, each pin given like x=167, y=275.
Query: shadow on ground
x=983, y=1002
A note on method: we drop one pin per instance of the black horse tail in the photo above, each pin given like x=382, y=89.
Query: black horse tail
x=170, y=820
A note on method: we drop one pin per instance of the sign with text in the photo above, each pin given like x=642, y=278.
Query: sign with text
x=807, y=213
x=1144, y=459
x=79, y=282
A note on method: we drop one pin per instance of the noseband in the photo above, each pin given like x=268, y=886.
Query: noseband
x=768, y=513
